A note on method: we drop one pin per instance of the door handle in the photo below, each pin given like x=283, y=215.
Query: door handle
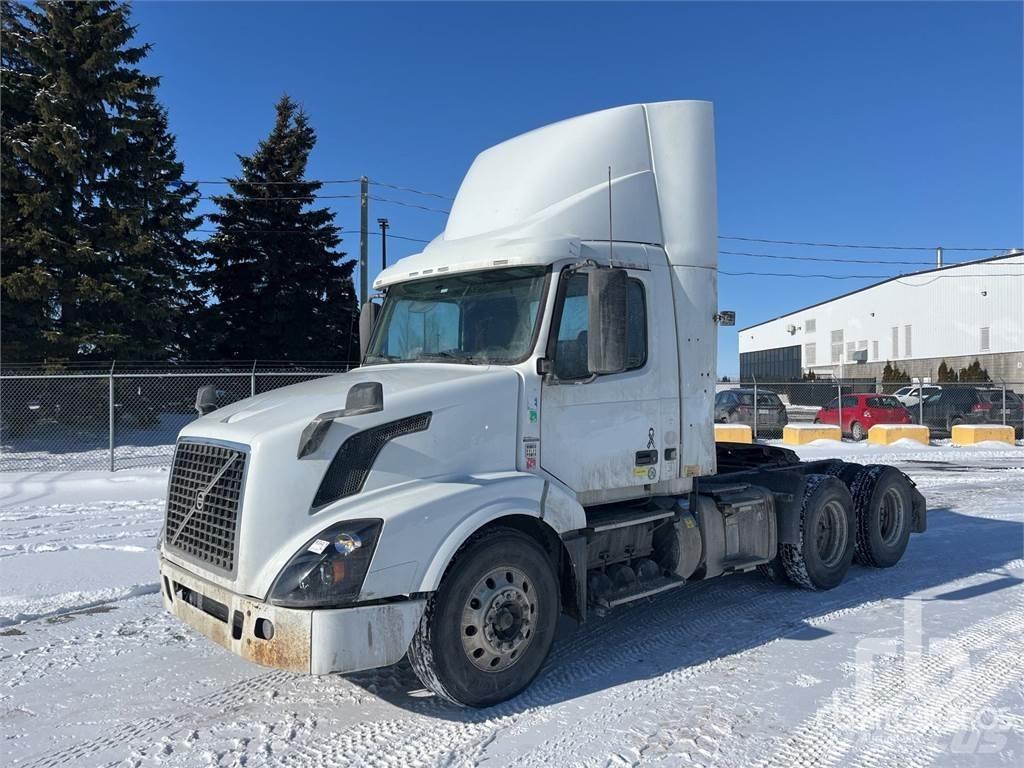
x=646, y=458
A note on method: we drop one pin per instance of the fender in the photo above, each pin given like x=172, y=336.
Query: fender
x=426, y=524
x=514, y=502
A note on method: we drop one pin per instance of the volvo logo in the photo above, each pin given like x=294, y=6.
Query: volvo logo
x=200, y=501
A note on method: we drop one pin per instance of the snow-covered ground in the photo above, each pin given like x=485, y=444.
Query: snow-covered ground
x=920, y=664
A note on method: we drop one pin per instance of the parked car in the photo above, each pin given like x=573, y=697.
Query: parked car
x=861, y=412
x=736, y=406
x=998, y=411
x=961, y=404
x=911, y=395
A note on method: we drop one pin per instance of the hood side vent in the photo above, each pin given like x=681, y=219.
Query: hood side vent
x=352, y=463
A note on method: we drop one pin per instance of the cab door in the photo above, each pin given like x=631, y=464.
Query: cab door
x=601, y=434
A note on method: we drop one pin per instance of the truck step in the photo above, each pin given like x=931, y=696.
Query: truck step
x=737, y=564
x=622, y=518
x=638, y=592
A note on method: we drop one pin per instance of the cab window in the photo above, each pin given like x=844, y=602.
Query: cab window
x=571, y=342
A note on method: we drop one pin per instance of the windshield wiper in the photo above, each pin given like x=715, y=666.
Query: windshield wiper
x=449, y=356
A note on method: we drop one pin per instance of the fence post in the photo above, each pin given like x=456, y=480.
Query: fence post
x=110, y=410
x=252, y=381
x=1003, y=381
x=920, y=404
x=839, y=399
x=755, y=407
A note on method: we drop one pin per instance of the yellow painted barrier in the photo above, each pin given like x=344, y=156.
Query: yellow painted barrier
x=969, y=434
x=733, y=433
x=887, y=434
x=801, y=434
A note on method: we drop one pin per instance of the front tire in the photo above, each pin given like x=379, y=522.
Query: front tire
x=486, y=631
x=822, y=557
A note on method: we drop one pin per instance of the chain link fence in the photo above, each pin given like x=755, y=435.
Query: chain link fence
x=121, y=417
x=859, y=404
x=118, y=418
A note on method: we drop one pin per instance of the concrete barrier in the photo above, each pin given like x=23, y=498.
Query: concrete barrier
x=801, y=434
x=886, y=434
x=733, y=433
x=969, y=434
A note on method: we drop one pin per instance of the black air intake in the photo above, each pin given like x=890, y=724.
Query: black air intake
x=351, y=464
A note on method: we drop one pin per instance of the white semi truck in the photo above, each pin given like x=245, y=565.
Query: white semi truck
x=530, y=433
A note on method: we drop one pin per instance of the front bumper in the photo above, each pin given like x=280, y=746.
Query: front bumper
x=316, y=641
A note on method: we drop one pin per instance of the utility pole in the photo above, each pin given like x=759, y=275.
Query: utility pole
x=364, y=212
x=384, y=224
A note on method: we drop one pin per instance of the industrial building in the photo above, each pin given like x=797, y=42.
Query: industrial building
x=957, y=314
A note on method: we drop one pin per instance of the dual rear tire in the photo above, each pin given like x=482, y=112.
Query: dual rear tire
x=861, y=514
x=822, y=556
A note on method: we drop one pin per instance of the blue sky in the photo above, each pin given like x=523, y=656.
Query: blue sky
x=853, y=123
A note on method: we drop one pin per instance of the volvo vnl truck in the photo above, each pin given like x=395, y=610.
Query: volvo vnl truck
x=530, y=433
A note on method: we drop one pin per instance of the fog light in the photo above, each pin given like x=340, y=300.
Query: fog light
x=263, y=629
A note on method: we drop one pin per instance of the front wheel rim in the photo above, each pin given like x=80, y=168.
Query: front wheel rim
x=498, y=619
x=831, y=534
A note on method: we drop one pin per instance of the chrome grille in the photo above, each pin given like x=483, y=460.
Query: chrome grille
x=204, y=503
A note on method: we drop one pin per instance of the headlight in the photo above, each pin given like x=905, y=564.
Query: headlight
x=330, y=568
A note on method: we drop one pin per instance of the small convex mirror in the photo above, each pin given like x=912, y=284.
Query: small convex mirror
x=206, y=399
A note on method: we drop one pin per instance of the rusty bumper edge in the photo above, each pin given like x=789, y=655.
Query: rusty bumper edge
x=311, y=641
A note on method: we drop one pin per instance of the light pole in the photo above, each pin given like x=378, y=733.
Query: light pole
x=383, y=242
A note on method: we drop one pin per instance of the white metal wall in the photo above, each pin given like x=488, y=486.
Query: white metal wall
x=946, y=312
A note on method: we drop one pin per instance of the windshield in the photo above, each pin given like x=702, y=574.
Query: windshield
x=476, y=317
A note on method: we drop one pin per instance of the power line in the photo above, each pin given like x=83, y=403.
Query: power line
x=344, y=231
x=259, y=199
x=271, y=183
x=411, y=189
x=897, y=278
x=312, y=198
x=854, y=245
x=850, y=261
x=408, y=205
x=730, y=273
x=321, y=182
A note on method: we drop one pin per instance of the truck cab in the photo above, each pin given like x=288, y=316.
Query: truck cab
x=530, y=433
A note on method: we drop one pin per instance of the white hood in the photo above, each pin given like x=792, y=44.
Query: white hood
x=472, y=430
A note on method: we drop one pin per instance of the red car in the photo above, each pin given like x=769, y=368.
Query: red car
x=862, y=412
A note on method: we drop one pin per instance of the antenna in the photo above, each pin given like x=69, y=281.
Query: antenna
x=611, y=251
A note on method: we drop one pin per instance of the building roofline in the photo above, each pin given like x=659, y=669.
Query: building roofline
x=946, y=268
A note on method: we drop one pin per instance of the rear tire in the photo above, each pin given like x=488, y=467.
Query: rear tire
x=857, y=431
x=486, y=631
x=883, y=506
x=827, y=533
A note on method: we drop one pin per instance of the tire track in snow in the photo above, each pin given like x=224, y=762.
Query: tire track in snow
x=653, y=652
x=909, y=718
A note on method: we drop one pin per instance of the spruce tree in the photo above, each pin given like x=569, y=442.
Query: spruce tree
x=279, y=289
x=24, y=282
x=95, y=248
x=145, y=226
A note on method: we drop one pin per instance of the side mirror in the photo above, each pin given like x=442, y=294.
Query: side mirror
x=367, y=319
x=606, y=332
x=206, y=399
